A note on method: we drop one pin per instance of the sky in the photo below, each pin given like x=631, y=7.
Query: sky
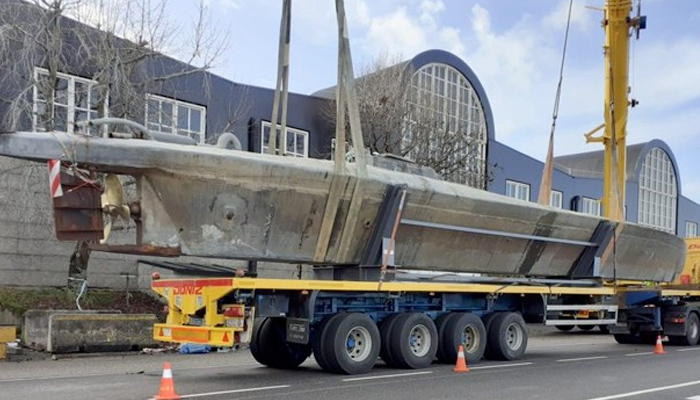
x=514, y=47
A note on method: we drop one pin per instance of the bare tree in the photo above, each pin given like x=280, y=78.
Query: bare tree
x=402, y=118
x=116, y=47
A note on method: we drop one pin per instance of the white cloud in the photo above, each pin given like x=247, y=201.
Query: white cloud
x=397, y=32
x=429, y=10
x=666, y=73
x=316, y=22
x=229, y=4
x=581, y=17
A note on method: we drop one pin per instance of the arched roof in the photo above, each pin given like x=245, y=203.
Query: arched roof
x=441, y=57
x=590, y=164
x=445, y=57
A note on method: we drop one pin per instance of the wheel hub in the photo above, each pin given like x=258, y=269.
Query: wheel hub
x=470, y=339
x=514, y=336
x=419, y=340
x=358, y=344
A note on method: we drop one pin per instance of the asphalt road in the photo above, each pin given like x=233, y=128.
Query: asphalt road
x=580, y=366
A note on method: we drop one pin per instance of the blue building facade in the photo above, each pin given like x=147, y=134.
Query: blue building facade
x=181, y=100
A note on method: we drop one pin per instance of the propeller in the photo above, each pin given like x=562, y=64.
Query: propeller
x=113, y=204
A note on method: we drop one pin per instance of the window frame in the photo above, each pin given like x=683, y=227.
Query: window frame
x=694, y=226
x=517, y=189
x=658, y=192
x=295, y=131
x=176, y=104
x=587, y=202
x=441, y=89
x=70, y=106
x=556, y=193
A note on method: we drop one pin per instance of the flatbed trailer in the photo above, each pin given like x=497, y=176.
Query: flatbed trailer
x=347, y=325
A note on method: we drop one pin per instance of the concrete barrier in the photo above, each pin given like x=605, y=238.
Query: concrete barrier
x=35, y=325
x=72, y=333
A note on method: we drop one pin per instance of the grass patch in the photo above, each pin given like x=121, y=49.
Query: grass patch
x=17, y=301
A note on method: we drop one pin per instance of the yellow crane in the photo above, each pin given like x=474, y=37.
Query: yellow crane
x=619, y=25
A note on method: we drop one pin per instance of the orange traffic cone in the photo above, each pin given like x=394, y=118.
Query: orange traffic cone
x=461, y=365
x=659, y=346
x=167, y=387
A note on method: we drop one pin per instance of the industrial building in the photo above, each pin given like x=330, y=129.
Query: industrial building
x=202, y=105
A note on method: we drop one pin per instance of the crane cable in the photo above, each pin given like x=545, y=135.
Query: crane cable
x=555, y=112
x=546, y=183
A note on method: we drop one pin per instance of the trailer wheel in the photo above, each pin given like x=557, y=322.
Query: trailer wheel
x=488, y=321
x=627, y=338
x=385, y=337
x=441, y=324
x=351, y=344
x=604, y=328
x=585, y=327
x=508, y=336
x=464, y=329
x=258, y=351
x=648, y=337
x=272, y=348
x=320, y=334
x=564, y=328
x=692, y=332
x=414, y=341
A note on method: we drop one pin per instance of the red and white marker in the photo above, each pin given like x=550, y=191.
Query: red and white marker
x=55, y=178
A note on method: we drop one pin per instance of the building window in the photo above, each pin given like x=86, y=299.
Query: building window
x=691, y=229
x=65, y=102
x=590, y=206
x=556, y=199
x=658, y=192
x=176, y=117
x=518, y=190
x=446, y=121
x=296, y=143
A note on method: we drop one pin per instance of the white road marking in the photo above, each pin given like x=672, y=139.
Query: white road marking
x=693, y=398
x=638, y=392
x=690, y=349
x=187, y=396
x=367, y=378
x=501, y=365
x=582, y=359
x=639, y=354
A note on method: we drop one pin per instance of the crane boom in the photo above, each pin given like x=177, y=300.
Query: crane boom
x=618, y=24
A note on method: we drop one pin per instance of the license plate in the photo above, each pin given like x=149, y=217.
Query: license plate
x=234, y=322
x=297, y=330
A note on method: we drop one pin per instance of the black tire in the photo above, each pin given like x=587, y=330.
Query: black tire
x=319, y=338
x=259, y=352
x=585, y=327
x=351, y=344
x=488, y=321
x=440, y=324
x=414, y=341
x=464, y=329
x=278, y=352
x=692, y=332
x=604, y=329
x=385, y=336
x=508, y=336
x=647, y=337
x=627, y=338
x=564, y=328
